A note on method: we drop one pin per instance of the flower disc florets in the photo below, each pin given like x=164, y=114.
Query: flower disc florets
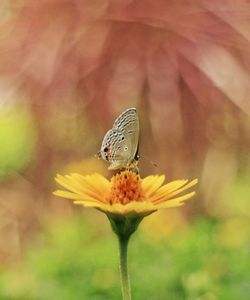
x=125, y=187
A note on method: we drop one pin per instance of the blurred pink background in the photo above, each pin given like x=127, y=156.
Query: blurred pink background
x=68, y=68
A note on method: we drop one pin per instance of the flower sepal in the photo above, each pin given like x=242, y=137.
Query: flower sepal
x=124, y=225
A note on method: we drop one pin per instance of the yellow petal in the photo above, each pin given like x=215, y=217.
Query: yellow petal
x=170, y=195
x=73, y=196
x=187, y=186
x=168, y=188
x=174, y=202
x=90, y=204
x=152, y=184
x=70, y=183
x=78, y=184
x=147, y=182
x=96, y=181
x=137, y=207
x=63, y=181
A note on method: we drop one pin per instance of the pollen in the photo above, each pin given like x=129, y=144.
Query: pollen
x=125, y=188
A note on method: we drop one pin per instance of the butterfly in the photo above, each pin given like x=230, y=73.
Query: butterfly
x=120, y=144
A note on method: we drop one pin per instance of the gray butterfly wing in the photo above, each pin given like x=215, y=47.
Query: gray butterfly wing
x=111, y=144
x=120, y=143
x=115, y=149
x=128, y=120
x=128, y=124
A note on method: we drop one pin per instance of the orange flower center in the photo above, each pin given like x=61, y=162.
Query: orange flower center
x=125, y=187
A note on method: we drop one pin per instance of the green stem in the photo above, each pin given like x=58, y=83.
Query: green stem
x=123, y=250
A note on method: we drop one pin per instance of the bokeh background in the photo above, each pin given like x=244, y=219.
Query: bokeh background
x=67, y=69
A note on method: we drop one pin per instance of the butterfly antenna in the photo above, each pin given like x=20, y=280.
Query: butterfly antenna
x=148, y=160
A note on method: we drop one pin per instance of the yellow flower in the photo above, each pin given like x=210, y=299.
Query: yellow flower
x=126, y=199
x=126, y=193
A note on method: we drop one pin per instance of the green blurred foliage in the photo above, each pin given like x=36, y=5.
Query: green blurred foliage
x=77, y=259
x=17, y=139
